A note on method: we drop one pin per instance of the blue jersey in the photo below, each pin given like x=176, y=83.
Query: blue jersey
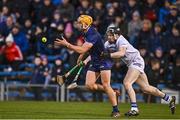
x=93, y=37
x=97, y=64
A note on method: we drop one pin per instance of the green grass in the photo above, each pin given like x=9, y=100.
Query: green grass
x=76, y=110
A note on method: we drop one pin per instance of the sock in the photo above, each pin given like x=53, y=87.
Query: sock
x=115, y=109
x=134, y=106
x=167, y=98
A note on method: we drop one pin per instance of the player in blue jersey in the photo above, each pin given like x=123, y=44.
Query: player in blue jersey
x=95, y=46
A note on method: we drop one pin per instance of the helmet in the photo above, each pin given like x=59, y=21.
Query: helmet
x=85, y=19
x=113, y=30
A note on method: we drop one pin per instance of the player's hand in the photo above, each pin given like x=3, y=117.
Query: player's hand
x=61, y=41
x=105, y=55
x=82, y=63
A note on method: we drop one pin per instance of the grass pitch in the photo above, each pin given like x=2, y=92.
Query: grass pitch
x=79, y=110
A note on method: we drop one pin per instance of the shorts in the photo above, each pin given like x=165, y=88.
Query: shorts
x=97, y=67
x=138, y=63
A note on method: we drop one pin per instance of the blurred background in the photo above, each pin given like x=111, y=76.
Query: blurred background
x=28, y=66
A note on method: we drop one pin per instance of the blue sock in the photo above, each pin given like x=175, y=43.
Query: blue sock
x=166, y=97
x=134, y=105
x=115, y=109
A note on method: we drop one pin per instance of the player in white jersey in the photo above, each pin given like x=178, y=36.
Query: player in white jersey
x=135, y=74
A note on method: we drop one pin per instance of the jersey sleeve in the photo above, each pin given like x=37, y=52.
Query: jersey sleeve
x=91, y=39
x=106, y=45
x=122, y=42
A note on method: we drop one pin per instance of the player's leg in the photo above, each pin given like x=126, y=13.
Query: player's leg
x=91, y=78
x=147, y=88
x=105, y=78
x=130, y=78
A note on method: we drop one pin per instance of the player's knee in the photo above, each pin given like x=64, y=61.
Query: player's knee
x=127, y=85
x=90, y=86
x=106, y=86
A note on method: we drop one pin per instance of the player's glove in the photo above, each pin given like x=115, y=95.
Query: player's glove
x=105, y=55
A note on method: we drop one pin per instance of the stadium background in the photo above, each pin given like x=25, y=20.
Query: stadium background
x=151, y=26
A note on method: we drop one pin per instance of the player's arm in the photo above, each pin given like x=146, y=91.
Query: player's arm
x=79, y=49
x=80, y=58
x=120, y=53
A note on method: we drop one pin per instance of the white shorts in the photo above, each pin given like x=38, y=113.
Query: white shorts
x=138, y=63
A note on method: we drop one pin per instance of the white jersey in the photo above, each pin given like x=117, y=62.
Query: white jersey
x=132, y=55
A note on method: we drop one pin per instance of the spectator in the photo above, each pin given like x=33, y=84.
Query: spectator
x=150, y=10
x=66, y=10
x=108, y=18
x=46, y=13
x=119, y=22
x=36, y=7
x=46, y=70
x=145, y=34
x=158, y=39
x=69, y=33
x=159, y=55
x=134, y=26
x=4, y=14
x=174, y=39
x=12, y=53
x=176, y=75
x=171, y=18
x=29, y=30
x=163, y=12
x=154, y=76
x=37, y=78
x=5, y=27
x=2, y=42
x=57, y=69
x=97, y=12
x=130, y=7
x=20, y=39
x=145, y=54
x=84, y=8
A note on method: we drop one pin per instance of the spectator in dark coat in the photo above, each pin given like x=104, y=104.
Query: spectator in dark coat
x=57, y=69
x=158, y=39
x=5, y=27
x=36, y=6
x=29, y=29
x=145, y=34
x=37, y=78
x=84, y=8
x=46, y=13
x=21, y=9
x=4, y=14
x=174, y=41
x=46, y=70
x=154, y=76
x=129, y=8
x=97, y=12
x=66, y=9
x=176, y=76
x=171, y=18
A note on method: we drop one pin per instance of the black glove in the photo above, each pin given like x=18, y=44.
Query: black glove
x=105, y=55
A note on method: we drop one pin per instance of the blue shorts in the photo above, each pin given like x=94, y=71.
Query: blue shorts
x=99, y=66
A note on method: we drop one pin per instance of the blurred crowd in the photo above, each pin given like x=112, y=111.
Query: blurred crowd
x=151, y=26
